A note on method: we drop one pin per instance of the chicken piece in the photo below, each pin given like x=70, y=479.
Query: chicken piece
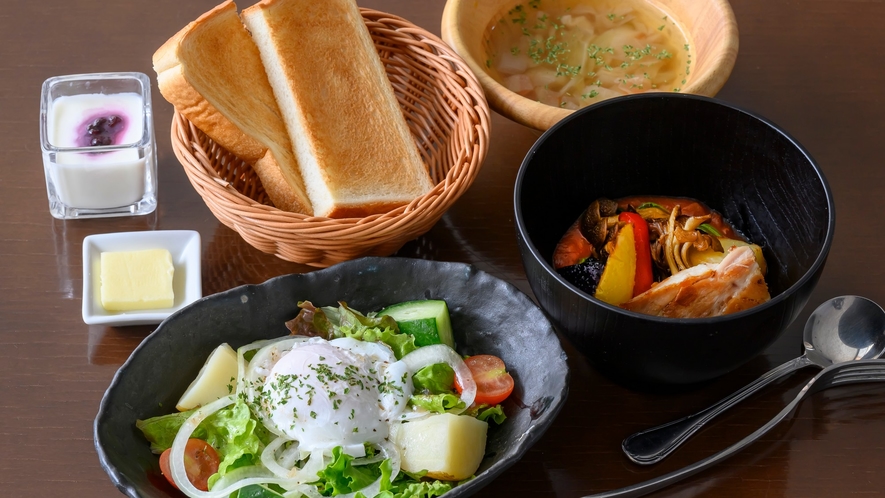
x=735, y=284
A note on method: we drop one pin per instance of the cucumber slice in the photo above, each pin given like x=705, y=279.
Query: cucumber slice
x=427, y=320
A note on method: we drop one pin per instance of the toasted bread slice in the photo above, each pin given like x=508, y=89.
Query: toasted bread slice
x=211, y=72
x=278, y=189
x=354, y=148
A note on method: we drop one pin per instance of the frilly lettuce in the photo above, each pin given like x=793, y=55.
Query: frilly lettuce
x=330, y=323
x=234, y=434
x=160, y=431
x=487, y=413
x=434, y=389
x=341, y=477
x=435, y=386
x=437, y=403
x=434, y=379
x=415, y=489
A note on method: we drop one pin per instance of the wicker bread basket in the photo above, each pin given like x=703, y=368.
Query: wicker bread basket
x=447, y=113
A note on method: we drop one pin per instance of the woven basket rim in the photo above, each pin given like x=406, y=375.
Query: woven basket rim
x=264, y=225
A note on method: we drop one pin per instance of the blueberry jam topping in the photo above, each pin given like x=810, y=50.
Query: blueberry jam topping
x=103, y=130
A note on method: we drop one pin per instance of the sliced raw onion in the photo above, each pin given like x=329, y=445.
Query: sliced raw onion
x=440, y=353
x=377, y=457
x=252, y=377
x=269, y=459
x=303, y=490
x=241, y=363
x=388, y=450
x=176, y=457
x=415, y=414
x=265, y=349
x=241, y=360
x=291, y=473
x=256, y=474
x=240, y=473
x=290, y=455
x=391, y=451
x=314, y=465
x=281, y=469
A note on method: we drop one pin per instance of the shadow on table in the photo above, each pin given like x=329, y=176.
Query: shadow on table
x=113, y=345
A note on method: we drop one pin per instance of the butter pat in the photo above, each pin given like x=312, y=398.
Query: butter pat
x=137, y=280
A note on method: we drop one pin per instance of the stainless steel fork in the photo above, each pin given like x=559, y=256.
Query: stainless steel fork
x=834, y=375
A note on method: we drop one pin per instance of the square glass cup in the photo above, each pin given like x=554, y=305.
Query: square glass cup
x=99, y=152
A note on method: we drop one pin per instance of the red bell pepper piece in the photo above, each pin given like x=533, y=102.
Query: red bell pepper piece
x=644, y=277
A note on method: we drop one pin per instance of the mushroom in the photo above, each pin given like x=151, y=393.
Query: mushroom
x=597, y=219
x=670, y=243
x=682, y=236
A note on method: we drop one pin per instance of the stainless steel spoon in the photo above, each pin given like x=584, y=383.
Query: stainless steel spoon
x=842, y=329
x=833, y=375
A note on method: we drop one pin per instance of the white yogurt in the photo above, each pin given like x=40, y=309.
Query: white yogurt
x=102, y=179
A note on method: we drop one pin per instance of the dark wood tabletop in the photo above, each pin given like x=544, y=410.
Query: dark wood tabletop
x=811, y=66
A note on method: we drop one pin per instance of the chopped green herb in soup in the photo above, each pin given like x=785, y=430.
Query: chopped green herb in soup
x=572, y=53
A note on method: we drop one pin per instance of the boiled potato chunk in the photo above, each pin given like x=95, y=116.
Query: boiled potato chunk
x=449, y=447
x=216, y=380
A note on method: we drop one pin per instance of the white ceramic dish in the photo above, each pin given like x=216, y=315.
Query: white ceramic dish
x=184, y=245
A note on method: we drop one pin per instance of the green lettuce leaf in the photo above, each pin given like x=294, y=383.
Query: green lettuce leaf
x=330, y=323
x=234, y=434
x=407, y=485
x=434, y=379
x=416, y=489
x=437, y=403
x=160, y=431
x=487, y=413
x=232, y=431
x=257, y=491
x=401, y=344
x=341, y=477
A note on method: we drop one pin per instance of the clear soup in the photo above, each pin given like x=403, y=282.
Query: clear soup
x=572, y=53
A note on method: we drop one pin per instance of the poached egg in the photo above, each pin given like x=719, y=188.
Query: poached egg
x=324, y=394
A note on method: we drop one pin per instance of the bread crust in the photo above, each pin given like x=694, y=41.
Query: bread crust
x=357, y=155
x=211, y=72
x=278, y=189
x=188, y=102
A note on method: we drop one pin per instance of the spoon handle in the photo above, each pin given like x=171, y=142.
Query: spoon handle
x=842, y=373
x=653, y=445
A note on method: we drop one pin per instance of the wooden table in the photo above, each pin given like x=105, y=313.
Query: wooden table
x=811, y=66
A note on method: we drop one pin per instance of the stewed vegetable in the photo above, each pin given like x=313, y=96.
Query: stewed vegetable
x=653, y=254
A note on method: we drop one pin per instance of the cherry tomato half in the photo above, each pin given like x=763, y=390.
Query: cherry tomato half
x=493, y=383
x=200, y=462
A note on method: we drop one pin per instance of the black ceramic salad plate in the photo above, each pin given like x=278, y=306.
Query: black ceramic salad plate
x=488, y=316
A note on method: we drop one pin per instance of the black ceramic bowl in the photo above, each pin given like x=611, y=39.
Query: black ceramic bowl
x=488, y=316
x=738, y=163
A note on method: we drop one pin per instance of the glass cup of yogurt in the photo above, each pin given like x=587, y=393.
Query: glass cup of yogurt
x=97, y=138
